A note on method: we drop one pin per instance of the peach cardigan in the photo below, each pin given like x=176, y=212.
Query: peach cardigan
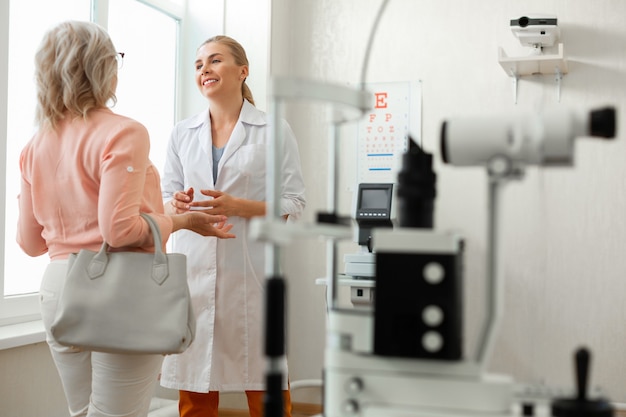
x=85, y=181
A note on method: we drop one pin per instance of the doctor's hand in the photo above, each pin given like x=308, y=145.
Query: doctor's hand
x=227, y=205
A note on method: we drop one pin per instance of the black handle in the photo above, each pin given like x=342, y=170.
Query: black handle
x=582, y=372
x=275, y=317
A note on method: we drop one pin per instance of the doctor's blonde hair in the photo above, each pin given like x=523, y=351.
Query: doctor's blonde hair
x=75, y=72
x=240, y=59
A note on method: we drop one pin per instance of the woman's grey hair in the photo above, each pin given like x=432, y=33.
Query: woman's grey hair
x=75, y=72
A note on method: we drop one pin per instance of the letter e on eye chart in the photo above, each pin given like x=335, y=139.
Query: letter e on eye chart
x=384, y=130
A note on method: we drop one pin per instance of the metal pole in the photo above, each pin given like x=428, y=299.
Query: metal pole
x=275, y=284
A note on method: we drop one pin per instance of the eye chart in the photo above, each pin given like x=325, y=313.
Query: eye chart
x=383, y=132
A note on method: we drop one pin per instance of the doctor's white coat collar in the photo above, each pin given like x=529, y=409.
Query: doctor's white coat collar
x=249, y=115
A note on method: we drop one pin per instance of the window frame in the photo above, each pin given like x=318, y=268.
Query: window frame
x=17, y=309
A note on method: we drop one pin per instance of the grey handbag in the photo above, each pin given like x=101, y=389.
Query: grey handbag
x=126, y=302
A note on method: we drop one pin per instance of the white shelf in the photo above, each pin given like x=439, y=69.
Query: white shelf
x=533, y=64
x=352, y=282
x=516, y=67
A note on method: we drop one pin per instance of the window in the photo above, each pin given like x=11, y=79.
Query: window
x=22, y=274
x=146, y=88
x=146, y=92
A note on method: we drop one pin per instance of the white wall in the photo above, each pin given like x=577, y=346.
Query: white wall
x=30, y=384
x=564, y=229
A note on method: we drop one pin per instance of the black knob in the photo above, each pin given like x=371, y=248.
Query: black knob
x=581, y=406
x=582, y=372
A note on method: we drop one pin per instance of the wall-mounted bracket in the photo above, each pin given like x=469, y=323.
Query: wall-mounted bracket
x=558, y=76
x=515, y=80
x=517, y=67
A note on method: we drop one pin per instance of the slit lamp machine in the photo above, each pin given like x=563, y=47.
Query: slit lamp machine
x=404, y=356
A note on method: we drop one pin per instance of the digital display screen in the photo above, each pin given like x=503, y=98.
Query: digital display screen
x=373, y=209
x=374, y=198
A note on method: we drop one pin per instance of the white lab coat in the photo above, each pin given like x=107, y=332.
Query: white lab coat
x=226, y=276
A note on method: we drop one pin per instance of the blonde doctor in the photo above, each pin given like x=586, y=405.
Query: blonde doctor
x=216, y=163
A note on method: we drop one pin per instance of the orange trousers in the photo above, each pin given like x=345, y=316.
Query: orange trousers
x=205, y=404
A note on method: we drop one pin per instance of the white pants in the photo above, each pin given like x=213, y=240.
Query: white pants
x=97, y=384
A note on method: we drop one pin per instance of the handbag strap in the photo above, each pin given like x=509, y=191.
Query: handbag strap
x=160, y=268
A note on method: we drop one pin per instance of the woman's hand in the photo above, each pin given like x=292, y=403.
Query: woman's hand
x=203, y=224
x=181, y=202
x=209, y=225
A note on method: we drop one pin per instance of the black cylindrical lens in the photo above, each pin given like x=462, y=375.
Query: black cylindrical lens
x=416, y=189
x=602, y=123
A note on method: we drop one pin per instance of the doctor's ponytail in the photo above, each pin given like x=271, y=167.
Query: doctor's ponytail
x=247, y=94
